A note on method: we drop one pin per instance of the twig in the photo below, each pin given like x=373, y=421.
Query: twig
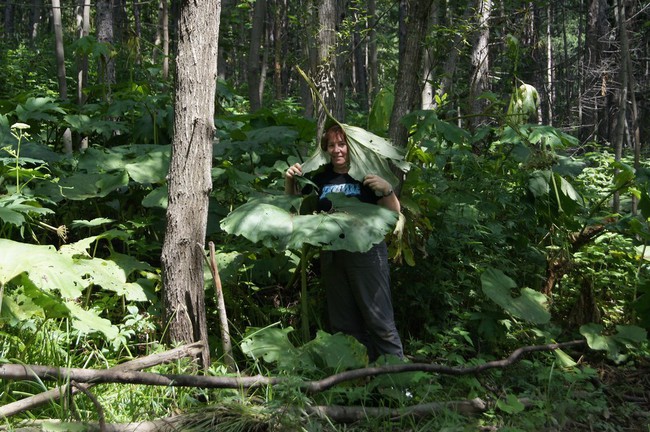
x=221, y=307
x=100, y=411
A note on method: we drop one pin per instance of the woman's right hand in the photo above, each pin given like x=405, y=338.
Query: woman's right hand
x=294, y=170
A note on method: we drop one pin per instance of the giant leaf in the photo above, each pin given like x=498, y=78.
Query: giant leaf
x=369, y=154
x=353, y=226
x=45, y=267
x=529, y=306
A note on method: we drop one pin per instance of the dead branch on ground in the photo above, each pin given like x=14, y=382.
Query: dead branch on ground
x=34, y=372
x=10, y=409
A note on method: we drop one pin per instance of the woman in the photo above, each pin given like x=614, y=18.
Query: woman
x=357, y=284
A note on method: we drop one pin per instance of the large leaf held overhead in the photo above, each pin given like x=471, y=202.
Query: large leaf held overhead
x=369, y=154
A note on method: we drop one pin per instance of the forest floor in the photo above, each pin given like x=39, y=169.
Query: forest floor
x=628, y=394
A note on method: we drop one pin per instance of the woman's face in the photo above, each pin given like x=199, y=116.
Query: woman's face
x=337, y=148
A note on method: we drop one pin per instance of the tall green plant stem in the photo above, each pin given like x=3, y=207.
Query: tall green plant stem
x=19, y=136
x=304, y=306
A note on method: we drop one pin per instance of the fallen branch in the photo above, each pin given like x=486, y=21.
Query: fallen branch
x=191, y=350
x=34, y=372
x=326, y=383
x=345, y=414
x=336, y=414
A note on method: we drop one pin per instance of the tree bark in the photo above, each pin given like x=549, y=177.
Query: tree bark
x=479, y=82
x=407, y=85
x=60, y=63
x=621, y=122
x=189, y=178
x=373, y=70
x=328, y=80
x=83, y=30
x=9, y=16
x=105, y=35
x=255, y=78
x=35, y=20
x=597, y=75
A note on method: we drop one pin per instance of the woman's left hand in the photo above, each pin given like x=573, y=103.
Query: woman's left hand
x=380, y=186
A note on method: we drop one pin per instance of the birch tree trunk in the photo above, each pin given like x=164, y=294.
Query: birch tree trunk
x=83, y=30
x=189, y=178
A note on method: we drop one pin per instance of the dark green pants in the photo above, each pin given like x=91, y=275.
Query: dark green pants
x=359, y=299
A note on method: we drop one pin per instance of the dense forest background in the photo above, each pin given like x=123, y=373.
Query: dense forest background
x=525, y=211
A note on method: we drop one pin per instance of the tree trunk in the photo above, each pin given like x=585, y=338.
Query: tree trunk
x=359, y=54
x=189, y=178
x=58, y=48
x=598, y=76
x=479, y=82
x=550, y=86
x=621, y=123
x=255, y=78
x=428, y=90
x=9, y=20
x=106, y=65
x=35, y=19
x=449, y=67
x=407, y=84
x=60, y=66
x=328, y=80
x=161, y=41
x=279, y=28
x=83, y=30
x=373, y=70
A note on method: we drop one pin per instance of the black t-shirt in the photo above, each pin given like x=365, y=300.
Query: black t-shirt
x=329, y=181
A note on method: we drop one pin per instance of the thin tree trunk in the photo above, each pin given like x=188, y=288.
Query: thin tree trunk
x=60, y=63
x=621, y=125
x=479, y=81
x=105, y=34
x=407, y=84
x=359, y=53
x=255, y=79
x=59, y=50
x=449, y=67
x=328, y=81
x=83, y=30
x=279, y=27
x=550, y=91
x=35, y=19
x=428, y=90
x=373, y=70
x=9, y=18
x=190, y=179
